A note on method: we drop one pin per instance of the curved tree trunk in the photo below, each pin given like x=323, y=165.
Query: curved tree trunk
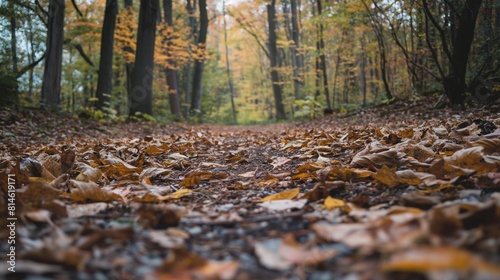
x=105, y=79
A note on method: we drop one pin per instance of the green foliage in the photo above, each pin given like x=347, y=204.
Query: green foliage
x=307, y=108
x=106, y=113
x=348, y=107
x=142, y=117
x=9, y=86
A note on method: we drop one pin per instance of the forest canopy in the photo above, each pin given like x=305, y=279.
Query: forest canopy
x=235, y=61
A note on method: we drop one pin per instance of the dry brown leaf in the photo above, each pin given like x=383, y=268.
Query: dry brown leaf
x=490, y=146
x=83, y=191
x=440, y=258
x=389, y=158
x=152, y=172
x=87, y=173
x=280, y=161
x=183, y=265
x=386, y=176
x=353, y=235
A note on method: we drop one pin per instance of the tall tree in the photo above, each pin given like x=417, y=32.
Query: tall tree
x=141, y=98
x=51, y=87
x=454, y=83
x=454, y=75
x=129, y=66
x=199, y=63
x=104, y=81
x=228, y=68
x=296, y=58
x=273, y=55
x=379, y=34
x=171, y=73
x=193, y=23
x=13, y=39
x=320, y=46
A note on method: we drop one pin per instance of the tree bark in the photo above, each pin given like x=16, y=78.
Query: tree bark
x=171, y=73
x=199, y=64
x=321, y=44
x=228, y=69
x=378, y=29
x=13, y=43
x=191, y=8
x=454, y=83
x=129, y=66
x=51, y=86
x=105, y=79
x=273, y=53
x=297, y=62
x=141, y=98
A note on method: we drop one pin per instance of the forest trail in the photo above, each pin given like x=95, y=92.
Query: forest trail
x=370, y=196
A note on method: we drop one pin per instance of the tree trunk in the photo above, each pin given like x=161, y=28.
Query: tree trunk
x=129, y=66
x=191, y=8
x=199, y=64
x=105, y=79
x=296, y=62
x=363, y=69
x=228, y=69
x=51, y=87
x=322, y=57
x=31, y=59
x=273, y=53
x=171, y=73
x=454, y=83
x=13, y=43
x=141, y=99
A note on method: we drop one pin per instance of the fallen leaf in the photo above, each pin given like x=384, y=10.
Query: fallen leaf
x=288, y=194
x=332, y=203
x=283, y=204
x=441, y=258
x=83, y=191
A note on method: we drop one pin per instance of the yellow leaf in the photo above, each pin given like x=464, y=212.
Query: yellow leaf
x=303, y=176
x=386, y=176
x=332, y=203
x=178, y=194
x=288, y=194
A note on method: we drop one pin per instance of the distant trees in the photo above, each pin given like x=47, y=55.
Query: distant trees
x=260, y=60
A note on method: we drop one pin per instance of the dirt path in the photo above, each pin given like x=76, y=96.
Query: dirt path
x=370, y=196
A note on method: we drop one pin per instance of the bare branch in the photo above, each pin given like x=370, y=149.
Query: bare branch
x=29, y=66
x=440, y=30
x=76, y=8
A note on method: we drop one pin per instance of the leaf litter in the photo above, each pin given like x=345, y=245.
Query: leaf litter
x=372, y=196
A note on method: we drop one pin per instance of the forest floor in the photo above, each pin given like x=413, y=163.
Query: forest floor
x=400, y=191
